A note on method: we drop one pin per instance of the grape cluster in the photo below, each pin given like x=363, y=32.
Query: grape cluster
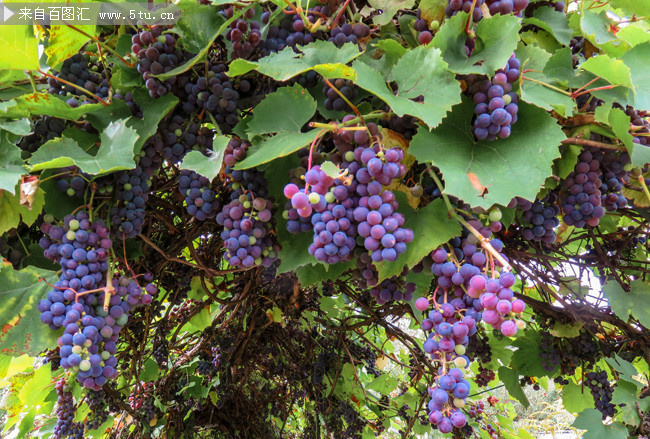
x=45, y=128
x=293, y=32
x=548, y=355
x=640, y=128
x=75, y=183
x=505, y=7
x=393, y=288
x=156, y=54
x=244, y=35
x=456, y=6
x=348, y=33
x=602, y=392
x=127, y=217
x=79, y=70
x=179, y=137
x=580, y=196
x=333, y=101
x=539, y=219
x=98, y=408
x=214, y=93
x=424, y=36
x=141, y=400
x=200, y=200
x=65, y=410
x=613, y=175
x=495, y=103
x=161, y=351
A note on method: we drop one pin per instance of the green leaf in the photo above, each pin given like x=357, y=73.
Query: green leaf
x=626, y=396
x=560, y=65
x=554, y=22
x=633, y=35
x=21, y=48
x=637, y=61
x=43, y=104
x=149, y=371
x=595, y=26
x=610, y=69
x=209, y=166
x=496, y=39
x=383, y=384
x=510, y=379
x=311, y=274
x=200, y=321
x=280, y=145
x=534, y=92
x=419, y=72
x=503, y=167
x=34, y=392
x=388, y=8
x=12, y=212
x=384, y=58
x=20, y=292
x=431, y=227
x=11, y=166
x=115, y=153
x=65, y=42
x=634, y=304
x=569, y=330
x=620, y=123
x=525, y=360
x=591, y=420
x=626, y=370
x=20, y=127
x=576, y=398
x=319, y=56
x=286, y=110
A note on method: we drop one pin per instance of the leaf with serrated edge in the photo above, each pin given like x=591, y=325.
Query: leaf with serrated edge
x=592, y=421
x=11, y=166
x=419, y=72
x=285, y=110
x=12, y=212
x=279, y=145
x=496, y=39
x=510, y=379
x=634, y=304
x=637, y=61
x=209, y=166
x=503, y=166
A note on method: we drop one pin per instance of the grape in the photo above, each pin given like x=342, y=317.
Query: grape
x=87, y=75
x=156, y=54
x=539, y=219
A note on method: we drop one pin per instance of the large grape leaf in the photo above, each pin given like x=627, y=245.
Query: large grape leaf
x=554, y=22
x=20, y=48
x=115, y=152
x=613, y=70
x=486, y=173
x=431, y=226
x=634, y=304
x=11, y=165
x=20, y=292
x=43, y=104
x=419, y=72
x=286, y=110
x=496, y=39
x=322, y=56
x=388, y=9
x=592, y=421
x=12, y=212
x=637, y=61
x=208, y=166
x=576, y=398
x=632, y=7
x=626, y=397
x=510, y=379
x=65, y=42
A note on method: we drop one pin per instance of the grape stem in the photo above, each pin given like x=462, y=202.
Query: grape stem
x=559, y=90
x=347, y=101
x=586, y=142
x=485, y=243
x=93, y=95
x=96, y=40
x=109, y=289
x=469, y=17
x=338, y=16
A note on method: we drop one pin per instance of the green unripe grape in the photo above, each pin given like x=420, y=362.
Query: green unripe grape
x=434, y=25
x=460, y=349
x=162, y=39
x=74, y=224
x=202, y=190
x=285, y=214
x=520, y=324
x=84, y=365
x=178, y=132
x=506, y=99
x=70, y=235
x=75, y=369
x=272, y=254
x=258, y=261
x=70, y=192
x=109, y=189
x=495, y=215
x=88, y=343
x=105, y=355
x=329, y=197
x=417, y=191
x=252, y=240
x=236, y=186
x=349, y=156
x=459, y=403
x=628, y=167
x=100, y=312
x=247, y=205
x=77, y=349
x=635, y=172
x=314, y=197
x=128, y=186
x=49, y=218
x=460, y=362
x=243, y=199
x=142, y=153
x=122, y=320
